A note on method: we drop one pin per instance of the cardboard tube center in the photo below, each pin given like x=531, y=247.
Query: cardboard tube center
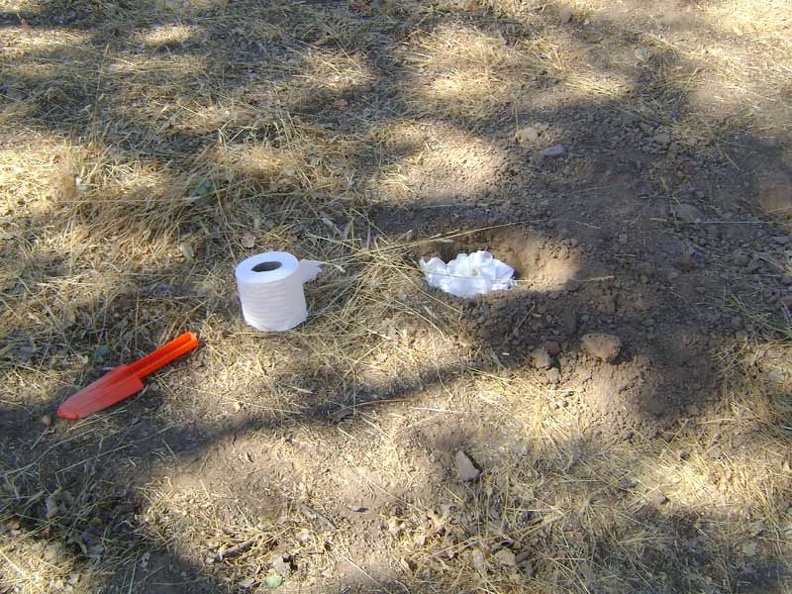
x=266, y=266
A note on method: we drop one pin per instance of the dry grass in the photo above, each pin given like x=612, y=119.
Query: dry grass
x=145, y=150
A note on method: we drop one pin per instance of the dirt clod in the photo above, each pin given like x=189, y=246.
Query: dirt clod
x=506, y=557
x=526, y=136
x=605, y=347
x=540, y=358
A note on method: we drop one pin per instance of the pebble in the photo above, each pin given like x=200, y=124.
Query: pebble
x=741, y=258
x=685, y=263
x=658, y=498
x=753, y=266
x=782, y=240
x=553, y=151
x=540, y=358
x=786, y=280
x=687, y=213
x=248, y=240
x=662, y=138
x=506, y=557
x=605, y=347
x=46, y=420
x=466, y=470
x=565, y=14
x=479, y=560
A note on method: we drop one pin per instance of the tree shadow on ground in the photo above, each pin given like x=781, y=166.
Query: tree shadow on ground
x=669, y=322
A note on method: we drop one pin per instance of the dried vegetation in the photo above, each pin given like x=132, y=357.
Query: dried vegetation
x=147, y=147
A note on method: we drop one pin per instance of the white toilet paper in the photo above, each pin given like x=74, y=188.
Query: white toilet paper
x=271, y=290
x=467, y=276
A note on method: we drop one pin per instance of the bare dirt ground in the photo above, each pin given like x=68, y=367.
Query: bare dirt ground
x=620, y=421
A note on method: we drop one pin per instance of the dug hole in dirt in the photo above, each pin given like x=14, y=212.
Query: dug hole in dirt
x=618, y=422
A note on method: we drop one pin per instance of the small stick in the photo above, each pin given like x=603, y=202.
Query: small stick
x=237, y=549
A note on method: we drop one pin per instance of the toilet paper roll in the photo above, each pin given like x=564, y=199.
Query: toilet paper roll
x=271, y=292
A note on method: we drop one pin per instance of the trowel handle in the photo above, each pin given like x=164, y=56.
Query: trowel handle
x=164, y=355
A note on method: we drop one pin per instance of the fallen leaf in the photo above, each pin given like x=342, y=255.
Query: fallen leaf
x=273, y=581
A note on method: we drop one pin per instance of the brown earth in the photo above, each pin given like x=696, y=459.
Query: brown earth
x=626, y=404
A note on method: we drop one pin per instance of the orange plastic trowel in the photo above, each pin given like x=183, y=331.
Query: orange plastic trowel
x=123, y=381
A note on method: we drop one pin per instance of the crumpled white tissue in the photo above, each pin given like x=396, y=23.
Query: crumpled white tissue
x=469, y=275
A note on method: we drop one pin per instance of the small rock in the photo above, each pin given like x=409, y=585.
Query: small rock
x=248, y=240
x=741, y=258
x=602, y=346
x=465, y=468
x=786, y=280
x=687, y=213
x=187, y=250
x=280, y=565
x=749, y=549
x=685, y=262
x=46, y=420
x=565, y=14
x=247, y=583
x=53, y=509
x=506, y=557
x=643, y=53
x=540, y=358
x=775, y=192
x=753, y=266
x=553, y=151
x=478, y=560
x=527, y=135
x=741, y=336
x=782, y=240
x=658, y=498
x=662, y=138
